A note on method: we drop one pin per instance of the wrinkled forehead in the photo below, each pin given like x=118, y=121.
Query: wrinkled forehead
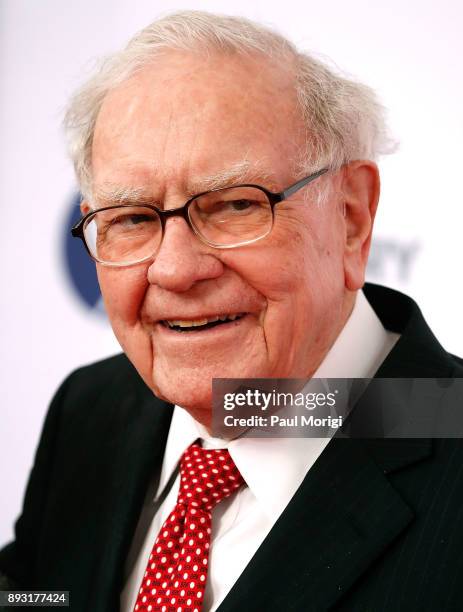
x=199, y=77
x=186, y=116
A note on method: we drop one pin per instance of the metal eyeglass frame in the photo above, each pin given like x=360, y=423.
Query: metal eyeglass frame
x=77, y=230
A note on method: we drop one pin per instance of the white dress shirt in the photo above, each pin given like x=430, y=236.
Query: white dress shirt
x=273, y=468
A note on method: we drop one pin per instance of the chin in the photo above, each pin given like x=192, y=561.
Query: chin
x=191, y=394
x=191, y=388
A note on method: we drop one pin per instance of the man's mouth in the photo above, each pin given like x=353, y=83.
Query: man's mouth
x=188, y=325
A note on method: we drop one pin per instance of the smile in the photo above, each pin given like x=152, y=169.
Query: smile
x=184, y=325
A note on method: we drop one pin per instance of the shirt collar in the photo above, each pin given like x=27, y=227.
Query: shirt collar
x=362, y=337
x=274, y=468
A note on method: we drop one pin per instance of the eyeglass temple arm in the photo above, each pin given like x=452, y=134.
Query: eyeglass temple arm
x=302, y=183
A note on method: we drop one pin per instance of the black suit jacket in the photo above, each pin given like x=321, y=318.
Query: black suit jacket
x=376, y=526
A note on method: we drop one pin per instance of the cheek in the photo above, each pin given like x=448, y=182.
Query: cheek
x=299, y=263
x=271, y=267
x=123, y=291
x=319, y=250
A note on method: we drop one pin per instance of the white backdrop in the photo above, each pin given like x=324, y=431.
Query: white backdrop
x=410, y=52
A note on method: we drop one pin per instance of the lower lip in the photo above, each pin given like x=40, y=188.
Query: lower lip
x=202, y=334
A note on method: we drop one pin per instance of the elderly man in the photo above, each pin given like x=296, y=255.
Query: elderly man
x=229, y=194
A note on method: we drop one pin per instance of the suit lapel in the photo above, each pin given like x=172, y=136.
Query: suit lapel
x=341, y=519
x=138, y=452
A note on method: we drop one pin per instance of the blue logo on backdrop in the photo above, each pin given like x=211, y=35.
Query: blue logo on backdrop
x=80, y=267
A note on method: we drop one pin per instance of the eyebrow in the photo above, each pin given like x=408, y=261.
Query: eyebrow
x=240, y=173
x=111, y=193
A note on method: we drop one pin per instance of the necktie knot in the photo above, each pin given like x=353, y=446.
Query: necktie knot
x=206, y=477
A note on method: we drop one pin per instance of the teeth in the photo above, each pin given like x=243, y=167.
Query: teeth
x=199, y=322
x=181, y=323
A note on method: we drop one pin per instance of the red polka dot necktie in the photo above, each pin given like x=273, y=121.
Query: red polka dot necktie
x=175, y=577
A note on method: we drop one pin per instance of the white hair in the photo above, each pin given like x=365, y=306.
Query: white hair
x=344, y=120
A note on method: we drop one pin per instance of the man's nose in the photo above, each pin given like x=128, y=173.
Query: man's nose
x=182, y=259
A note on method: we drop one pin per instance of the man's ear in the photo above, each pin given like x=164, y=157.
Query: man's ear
x=360, y=191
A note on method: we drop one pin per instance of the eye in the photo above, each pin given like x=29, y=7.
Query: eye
x=240, y=205
x=125, y=222
x=131, y=219
x=243, y=204
x=234, y=207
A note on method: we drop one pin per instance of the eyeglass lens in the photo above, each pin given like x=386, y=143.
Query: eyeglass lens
x=228, y=217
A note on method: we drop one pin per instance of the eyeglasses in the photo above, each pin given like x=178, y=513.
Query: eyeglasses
x=128, y=234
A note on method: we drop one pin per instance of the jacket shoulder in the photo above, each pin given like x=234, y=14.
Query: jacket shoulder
x=418, y=353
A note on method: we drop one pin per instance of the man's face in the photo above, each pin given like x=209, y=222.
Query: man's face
x=166, y=132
